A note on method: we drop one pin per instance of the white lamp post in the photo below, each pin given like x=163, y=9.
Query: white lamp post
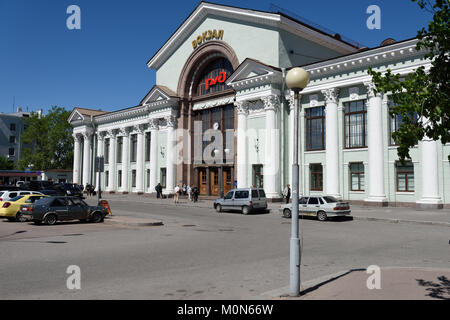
x=296, y=79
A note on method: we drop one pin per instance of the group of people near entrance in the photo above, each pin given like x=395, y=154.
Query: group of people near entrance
x=189, y=190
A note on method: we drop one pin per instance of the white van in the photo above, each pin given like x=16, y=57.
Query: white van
x=6, y=195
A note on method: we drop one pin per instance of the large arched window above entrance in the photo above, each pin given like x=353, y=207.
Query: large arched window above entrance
x=213, y=77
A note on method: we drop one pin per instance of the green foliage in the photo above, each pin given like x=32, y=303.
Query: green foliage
x=6, y=164
x=423, y=92
x=50, y=139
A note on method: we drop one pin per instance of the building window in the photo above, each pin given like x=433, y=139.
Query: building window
x=133, y=178
x=133, y=148
x=147, y=146
x=258, y=177
x=119, y=177
x=106, y=178
x=355, y=124
x=11, y=152
x=356, y=176
x=148, y=178
x=396, y=121
x=405, y=177
x=316, y=171
x=213, y=77
x=12, y=127
x=119, y=149
x=107, y=142
x=315, y=129
x=163, y=177
x=12, y=139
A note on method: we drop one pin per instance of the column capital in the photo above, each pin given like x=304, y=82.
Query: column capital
x=171, y=121
x=271, y=102
x=124, y=131
x=153, y=124
x=101, y=135
x=242, y=107
x=331, y=95
x=87, y=134
x=371, y=88
x=111, y=133
x=139, y=128
x=77, y=137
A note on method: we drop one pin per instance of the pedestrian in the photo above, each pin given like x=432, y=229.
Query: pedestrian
x=176, y=194
x=158, y=190
x=287, y=193
x=189, y=192
x=184, y=189
x=195, y=194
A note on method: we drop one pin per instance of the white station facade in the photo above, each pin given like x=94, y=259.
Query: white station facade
x=221, y=116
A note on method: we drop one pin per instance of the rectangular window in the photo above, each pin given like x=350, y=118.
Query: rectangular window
x=258, y=177
x=119, y=149
x=106, y=178
x=12, y=127
x=133, y=178
x=355, y=124
x=315, y=129
x=107, y=142
x=148, y=178
x=405, y=177
x=133, y=148
x=147, y=146
x=163, y=177
x=12, y=139
x=11, y=151
x=316, y=171
x=395, y=123
x=356, y=176
x=119, y=177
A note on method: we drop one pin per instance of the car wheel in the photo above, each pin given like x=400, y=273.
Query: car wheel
x=50, y=220
x=96, y=217
x=322, y=216
x=19, y=217
x=287, y=213
x=218, y=208
x=245, y=210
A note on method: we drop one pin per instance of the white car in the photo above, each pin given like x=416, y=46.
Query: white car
x=322, y=207
x=6, y=195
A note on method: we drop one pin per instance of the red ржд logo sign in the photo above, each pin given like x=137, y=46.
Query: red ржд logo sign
x=220, y=78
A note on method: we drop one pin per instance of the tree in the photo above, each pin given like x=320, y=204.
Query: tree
x=423, y=93
x=6, y=164
x=50, y=140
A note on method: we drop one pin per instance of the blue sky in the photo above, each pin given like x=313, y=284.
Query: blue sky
x=103, y=65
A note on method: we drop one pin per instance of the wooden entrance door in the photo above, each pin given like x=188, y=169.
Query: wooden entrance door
x=227, y=180
x=202, y=182
x=215, y=181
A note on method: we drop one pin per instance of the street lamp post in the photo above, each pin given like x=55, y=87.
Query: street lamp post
x=296, y=79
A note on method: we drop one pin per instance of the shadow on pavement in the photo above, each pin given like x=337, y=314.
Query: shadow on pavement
x=440, y=290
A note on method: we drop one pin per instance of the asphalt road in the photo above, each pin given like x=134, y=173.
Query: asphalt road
x=199, y=254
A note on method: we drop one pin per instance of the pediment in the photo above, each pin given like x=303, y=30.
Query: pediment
x=75, y=116
x=159, y=95
x=253, y=70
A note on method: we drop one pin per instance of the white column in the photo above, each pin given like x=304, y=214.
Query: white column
x=242, y=160
x=76, y=158
x=375, y=146
x=171, y=155
x=100, y=140
x=140, y=158
x=125, y=133
x=272, y=150
x=112, y=161
x=430, y=183
x=332, y=142
x=87, y=157
x=153, y=125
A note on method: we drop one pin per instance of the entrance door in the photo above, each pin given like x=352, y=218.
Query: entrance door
x=202, y=182
x=215, y=181
x=227, y=180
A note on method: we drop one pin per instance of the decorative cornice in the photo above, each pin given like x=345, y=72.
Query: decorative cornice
x=213, y=103
x=271, y=102
x=331, y=95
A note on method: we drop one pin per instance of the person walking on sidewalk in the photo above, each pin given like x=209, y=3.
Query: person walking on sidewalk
x=189, y=192
x=287, y=193
x=176, y=194
x=158, y=190
x=195, y=194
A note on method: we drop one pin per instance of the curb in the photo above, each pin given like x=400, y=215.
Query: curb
x=430, y=223
x=132, y=222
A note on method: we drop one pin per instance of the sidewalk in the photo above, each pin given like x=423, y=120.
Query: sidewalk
x=395, y=284
x=365, y=213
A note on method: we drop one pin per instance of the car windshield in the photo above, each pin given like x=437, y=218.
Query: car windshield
x=330, y=199
x=15, y=198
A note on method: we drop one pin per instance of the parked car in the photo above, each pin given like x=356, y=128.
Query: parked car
x=52, y=209
x=10, y=188
x=321, y=207
x=11, y=209
x=38, y=185
x=246, y=200
x=68, y=189
x=8, y=194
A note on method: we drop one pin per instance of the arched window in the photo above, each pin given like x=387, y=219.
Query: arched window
x=213, y=77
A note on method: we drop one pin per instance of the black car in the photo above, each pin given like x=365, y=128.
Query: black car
x=52, y=209
x=68, y=189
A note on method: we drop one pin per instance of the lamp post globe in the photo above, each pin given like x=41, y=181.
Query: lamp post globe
x=297, y=79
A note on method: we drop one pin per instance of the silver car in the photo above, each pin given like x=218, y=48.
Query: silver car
x=321, y=207
x=245, y=200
